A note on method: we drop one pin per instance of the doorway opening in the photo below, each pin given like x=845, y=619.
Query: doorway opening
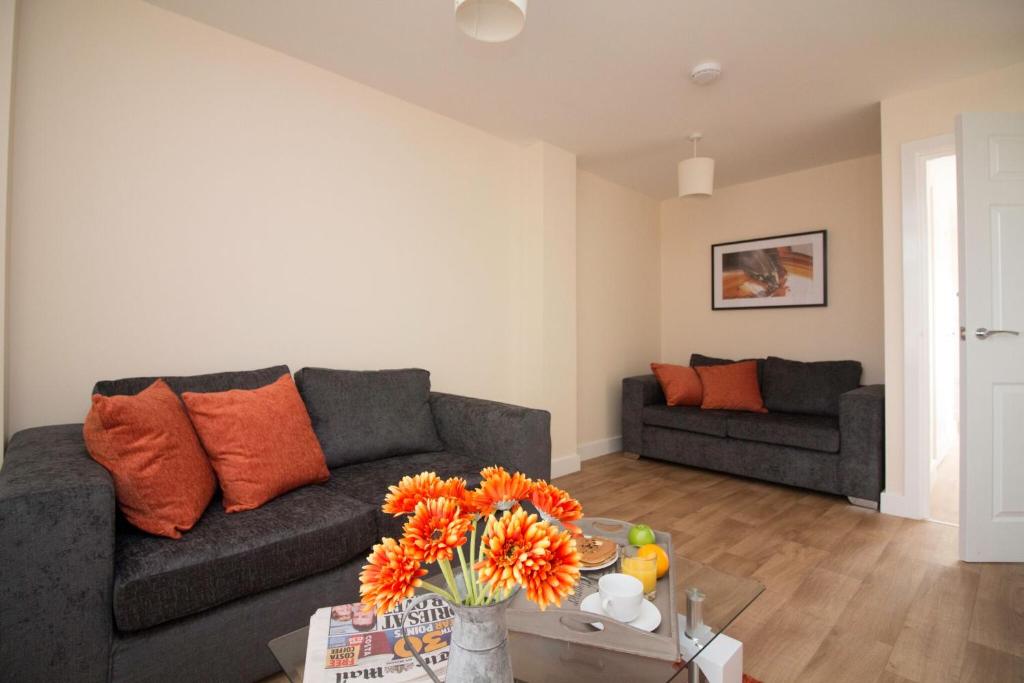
x=943, y=338
x=931, y=333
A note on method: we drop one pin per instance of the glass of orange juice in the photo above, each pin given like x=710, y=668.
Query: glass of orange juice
x=642, y=567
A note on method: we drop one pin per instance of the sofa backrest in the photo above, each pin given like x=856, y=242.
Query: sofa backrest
x=366, y=415
x=791, y=386
x=697, y=360
x=218, y=381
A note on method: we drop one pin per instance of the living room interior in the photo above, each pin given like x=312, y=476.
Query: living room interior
x=263, y=260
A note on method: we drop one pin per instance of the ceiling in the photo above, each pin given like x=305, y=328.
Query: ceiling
x=607, y=79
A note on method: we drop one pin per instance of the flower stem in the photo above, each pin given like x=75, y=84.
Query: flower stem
x=470, y=588
x=449, y=577
x=472, y=563
x=480, y=550
x=440, y=591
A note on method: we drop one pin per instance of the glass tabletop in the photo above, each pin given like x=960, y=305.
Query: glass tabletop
x=536, y=659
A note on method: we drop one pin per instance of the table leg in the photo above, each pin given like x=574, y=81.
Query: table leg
x=721, y=661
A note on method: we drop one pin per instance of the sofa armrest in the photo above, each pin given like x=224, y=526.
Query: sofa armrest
x=517, y=438
x=637, y=392
x=862, y=442
x=56, y=558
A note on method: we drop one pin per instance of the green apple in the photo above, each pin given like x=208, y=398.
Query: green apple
x=641, y=534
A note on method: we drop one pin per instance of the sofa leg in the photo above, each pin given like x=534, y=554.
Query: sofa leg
x=629, y=455
x=863, y=502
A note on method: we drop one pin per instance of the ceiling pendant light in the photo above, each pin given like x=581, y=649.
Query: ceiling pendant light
x=491, y=21
x=696, y=174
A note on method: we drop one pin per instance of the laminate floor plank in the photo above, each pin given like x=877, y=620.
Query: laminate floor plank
x=998, y=619
x=985, y=665
x=930, y=647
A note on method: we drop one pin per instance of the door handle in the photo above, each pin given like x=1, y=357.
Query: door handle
x=982, y=333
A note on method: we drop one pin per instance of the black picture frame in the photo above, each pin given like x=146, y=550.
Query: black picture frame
x=816, y=294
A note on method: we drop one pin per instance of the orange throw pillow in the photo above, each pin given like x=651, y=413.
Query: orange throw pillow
x=162, y=479
x=731, y=387
x=680, y=384
x=260, y=441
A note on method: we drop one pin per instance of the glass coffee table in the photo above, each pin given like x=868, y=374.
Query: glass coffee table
x=537, y=659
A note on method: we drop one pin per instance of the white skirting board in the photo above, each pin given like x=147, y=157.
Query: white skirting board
x=565, y=464
x=600, y=447
x=569, y=463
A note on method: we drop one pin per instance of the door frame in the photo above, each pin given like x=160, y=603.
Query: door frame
x=917, y=370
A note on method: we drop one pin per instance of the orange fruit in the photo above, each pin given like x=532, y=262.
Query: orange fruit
x=655, y=550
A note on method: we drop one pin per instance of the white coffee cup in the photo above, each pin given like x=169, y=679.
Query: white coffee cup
x=621, y=596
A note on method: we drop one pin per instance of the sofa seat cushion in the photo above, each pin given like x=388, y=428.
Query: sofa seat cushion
x=369, y=481
x=817, y=433
x=689, y=418
x=227, y=556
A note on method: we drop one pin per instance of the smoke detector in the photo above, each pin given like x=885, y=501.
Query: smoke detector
x=706, y=72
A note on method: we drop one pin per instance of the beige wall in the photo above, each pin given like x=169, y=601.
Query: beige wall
x=905, y=118
x=843, y=198
x=7, y=18
x=547, y=289
x=618, y=311
x=186, y=201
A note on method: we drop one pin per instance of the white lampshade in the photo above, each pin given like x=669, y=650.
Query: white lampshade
x=696, y=176
x=491, y=21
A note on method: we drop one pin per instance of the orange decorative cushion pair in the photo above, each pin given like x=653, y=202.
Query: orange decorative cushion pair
x=731, y=386
x=259, y=443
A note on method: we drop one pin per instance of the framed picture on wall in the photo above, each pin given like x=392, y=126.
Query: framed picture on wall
x=771, y=272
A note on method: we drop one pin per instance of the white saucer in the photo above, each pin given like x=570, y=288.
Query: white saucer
x=648, y=619
x=615, y=558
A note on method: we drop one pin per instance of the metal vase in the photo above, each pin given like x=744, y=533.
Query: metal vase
x=479, y=646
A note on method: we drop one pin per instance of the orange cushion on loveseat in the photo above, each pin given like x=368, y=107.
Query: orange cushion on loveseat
x=162, y=479
x=260, y=441
x=731, y=387
x=680, y=384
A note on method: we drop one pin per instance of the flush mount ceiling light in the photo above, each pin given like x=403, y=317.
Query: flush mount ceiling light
x=491, y=21
x=706, y=72
x=696, y=174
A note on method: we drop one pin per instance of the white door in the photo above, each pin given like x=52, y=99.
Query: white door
x=990, y=153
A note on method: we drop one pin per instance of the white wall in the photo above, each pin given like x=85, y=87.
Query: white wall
x=905, y=118
x=844, y=198
x=619, y=303
x=186, y=201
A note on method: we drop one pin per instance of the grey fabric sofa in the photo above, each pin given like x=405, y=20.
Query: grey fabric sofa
x=86, y=597
x=824, y=431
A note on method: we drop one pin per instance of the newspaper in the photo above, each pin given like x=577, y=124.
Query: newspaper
x=347, y=643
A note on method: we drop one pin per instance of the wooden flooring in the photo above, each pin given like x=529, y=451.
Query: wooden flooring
x=850, y=594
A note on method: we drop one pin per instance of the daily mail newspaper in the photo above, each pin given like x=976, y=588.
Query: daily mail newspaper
x=347, y=643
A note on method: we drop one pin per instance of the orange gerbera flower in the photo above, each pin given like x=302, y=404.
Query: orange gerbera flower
x=455, y=488
x=436, y=528
x=391, y=576
x=500, y=490
x=402, y=499
x=510, y=546
x=553, y=576
x=555, y=504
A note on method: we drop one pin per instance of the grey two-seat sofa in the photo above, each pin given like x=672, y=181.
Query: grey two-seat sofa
x=823, y=431
x=86, y=597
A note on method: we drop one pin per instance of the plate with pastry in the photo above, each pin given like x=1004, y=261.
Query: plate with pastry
x=597, y=552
